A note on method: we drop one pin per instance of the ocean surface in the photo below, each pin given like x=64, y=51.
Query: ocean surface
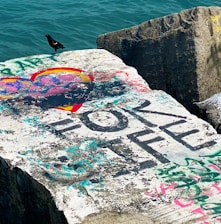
x=76, y=24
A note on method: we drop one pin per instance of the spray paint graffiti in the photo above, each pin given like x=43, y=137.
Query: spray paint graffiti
x=26, y=63
x=197, y=184
x=82, y=165
x=61, y=88
x=216, y=26
x=50, y=88
x=64, y=88
x=74, y=164
x=122, y=122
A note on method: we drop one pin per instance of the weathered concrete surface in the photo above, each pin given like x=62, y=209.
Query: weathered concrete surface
x=23, y=200
x=102, y=142
x=114, y=218
x=179, y=53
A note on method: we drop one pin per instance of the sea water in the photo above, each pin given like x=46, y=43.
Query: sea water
x=75, y=23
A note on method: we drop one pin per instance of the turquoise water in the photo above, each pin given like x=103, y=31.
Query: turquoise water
x=76, y=24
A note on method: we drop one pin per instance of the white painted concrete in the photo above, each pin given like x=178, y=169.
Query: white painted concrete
x=126, y=148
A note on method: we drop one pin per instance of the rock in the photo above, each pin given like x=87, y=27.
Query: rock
x=23, y=200
x=212, y=107
x=178, y=53
x=113, y=218
x=90, y=130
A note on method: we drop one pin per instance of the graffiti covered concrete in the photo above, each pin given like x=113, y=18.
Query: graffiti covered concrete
x=88, y=127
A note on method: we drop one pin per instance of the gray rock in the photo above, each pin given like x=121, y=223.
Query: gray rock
x=179, y=53
x=23, y=200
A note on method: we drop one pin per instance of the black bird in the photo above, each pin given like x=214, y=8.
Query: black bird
x=53, y=43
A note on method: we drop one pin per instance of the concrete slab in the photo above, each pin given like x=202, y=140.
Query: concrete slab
x=89, y=129
x=177, y=53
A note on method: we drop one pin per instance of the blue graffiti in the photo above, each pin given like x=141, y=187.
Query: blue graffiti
x=77, y=167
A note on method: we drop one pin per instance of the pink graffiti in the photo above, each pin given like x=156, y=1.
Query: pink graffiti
x=215, y=167
x=201, y=212
x=195, y=177
x=125, y=77
x=209, y=193
x=181, y=204
x=163, y=189
x=215, y=185
x=50, y=82
x=133, y=83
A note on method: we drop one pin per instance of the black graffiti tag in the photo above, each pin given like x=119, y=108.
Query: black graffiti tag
x=122, y=123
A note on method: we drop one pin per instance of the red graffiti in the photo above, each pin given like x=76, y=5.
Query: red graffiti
x=62, y=88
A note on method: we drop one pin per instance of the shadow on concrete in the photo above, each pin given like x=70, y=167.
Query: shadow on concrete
x=25, y=201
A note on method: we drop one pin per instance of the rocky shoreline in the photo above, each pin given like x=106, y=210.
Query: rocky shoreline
x=104, y=135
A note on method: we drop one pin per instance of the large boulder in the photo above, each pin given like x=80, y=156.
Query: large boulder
x=108, y=148
x=179, y=53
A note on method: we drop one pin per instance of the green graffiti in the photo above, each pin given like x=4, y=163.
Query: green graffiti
x=26, y=152
x=7, y=72
x=170, y=172
x=216, y=154
x=72, y=150
x=65, y=172
x=216, y=208
x=84, y=184
x=34, y=61
x=210, y=177
x=88, y=145
x=25, y=64
x=201, y=198
x=196, y=165
x=192, y=192
x=34, y=122
x=183, y=182
x=4, y=106
x=74, y=166
x=195, y=178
